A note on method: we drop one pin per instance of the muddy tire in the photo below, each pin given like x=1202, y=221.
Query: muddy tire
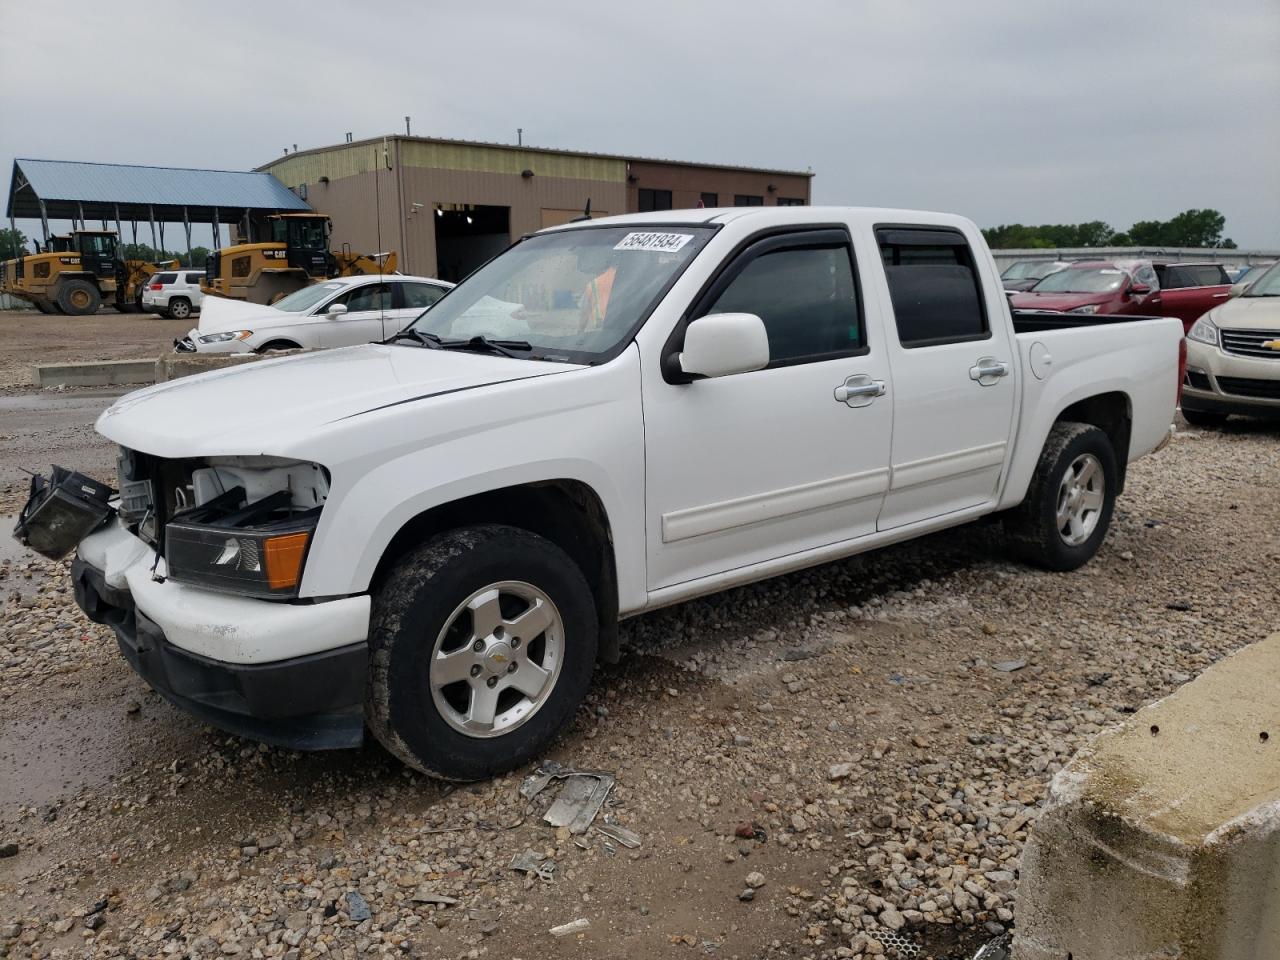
x=1203, y=418
x=482, y=643
x=1067, y=510
x=179, y=308
x=78, y=298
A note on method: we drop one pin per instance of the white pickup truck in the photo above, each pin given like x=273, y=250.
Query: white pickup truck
x=436, y=537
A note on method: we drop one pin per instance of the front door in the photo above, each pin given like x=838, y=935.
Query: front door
x=751, y=467
x=954, y=376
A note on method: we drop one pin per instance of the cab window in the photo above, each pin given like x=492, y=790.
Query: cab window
x=933, y=285
x=802, y=286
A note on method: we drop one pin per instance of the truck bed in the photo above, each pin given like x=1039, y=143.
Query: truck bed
x=1037, y=321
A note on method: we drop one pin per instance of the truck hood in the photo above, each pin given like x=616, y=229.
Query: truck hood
x=267, y=406
x=1248, y=313
x=1030, y=300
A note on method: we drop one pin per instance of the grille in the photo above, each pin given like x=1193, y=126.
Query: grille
x=1244, y=387
x=1249, y=343
x=896, y=944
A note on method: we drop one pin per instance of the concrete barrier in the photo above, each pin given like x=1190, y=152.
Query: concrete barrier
x=172, y=366
x=100, y=373
x=1162, y=838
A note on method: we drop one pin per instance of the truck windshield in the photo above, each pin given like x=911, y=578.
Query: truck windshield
x=1090, y=280
x=1027, y=270
x=94, y=243
x=576, y=295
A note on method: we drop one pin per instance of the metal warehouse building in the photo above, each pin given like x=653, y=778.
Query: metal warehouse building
x=447, y=206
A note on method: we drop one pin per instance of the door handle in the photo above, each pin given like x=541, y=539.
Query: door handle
x=988, y=370
x=859, y=390
x=1221, y=296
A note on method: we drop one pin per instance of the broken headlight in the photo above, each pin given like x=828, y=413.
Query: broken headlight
x=250, y=538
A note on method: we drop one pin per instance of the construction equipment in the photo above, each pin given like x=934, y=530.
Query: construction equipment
x=75, y=273
x=298, y=254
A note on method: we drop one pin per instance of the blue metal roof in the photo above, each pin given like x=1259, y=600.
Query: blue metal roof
x=63, y=185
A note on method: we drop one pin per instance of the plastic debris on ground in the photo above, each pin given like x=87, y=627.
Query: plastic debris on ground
x=535, y=864
x=581, y=797
x=573, y=926
x=621, y=834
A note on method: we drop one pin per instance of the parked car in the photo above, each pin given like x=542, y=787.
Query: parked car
x=173, y=294
x=1025, y=274
x=1233, y=357
x=333, y=313
x=1247, y=276
x=1125, y=287
x=1188, y=290
x=434, y=538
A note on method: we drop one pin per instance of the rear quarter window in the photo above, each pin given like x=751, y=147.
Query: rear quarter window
x=195, y=278
x=164, y=278
x=933, y=285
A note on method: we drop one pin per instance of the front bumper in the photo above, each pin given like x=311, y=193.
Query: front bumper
x=1219, y=382
x=287, y=674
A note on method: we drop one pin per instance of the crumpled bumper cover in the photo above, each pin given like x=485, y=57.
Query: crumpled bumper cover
x=309, y=702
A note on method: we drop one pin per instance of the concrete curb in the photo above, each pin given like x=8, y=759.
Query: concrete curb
x=100, y=373
x=1162, y=837
x=112, y=373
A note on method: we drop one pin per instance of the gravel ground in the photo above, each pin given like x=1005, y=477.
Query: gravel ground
x=842, y=762
x=30, y=337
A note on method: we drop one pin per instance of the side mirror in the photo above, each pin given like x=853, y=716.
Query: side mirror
x=1236, y=290
x=1139, y=290
x=336, y=309
x=722, y=344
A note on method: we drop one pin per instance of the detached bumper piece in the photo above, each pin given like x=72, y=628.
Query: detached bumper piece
x=312, y=702
x=61, y=511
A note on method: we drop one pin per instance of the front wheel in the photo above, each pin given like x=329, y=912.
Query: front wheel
x=482, y=643
x=1067, y=510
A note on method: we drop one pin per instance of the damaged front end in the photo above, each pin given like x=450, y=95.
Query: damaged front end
x=197, y=569
x=241, y=525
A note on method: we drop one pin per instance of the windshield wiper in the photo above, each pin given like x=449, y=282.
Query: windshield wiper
x=429, y=340
x=506, y=348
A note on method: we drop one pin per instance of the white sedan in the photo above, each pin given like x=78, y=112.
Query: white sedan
x=335, y=313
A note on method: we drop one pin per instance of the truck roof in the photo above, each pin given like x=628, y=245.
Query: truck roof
x=768, y=215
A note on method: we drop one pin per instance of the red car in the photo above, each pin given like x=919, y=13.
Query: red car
x=1138, y=287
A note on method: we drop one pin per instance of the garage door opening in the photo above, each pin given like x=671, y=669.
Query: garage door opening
x=467, y=235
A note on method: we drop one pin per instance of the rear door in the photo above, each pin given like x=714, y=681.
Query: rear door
x=954, y=374
x=369, y=317
x=1189, y=290
x=752, y=467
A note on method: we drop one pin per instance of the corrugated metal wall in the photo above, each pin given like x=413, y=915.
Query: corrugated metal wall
x=526, y=198
x=351, y=203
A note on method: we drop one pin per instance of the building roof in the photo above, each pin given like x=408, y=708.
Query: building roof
x=66, y=186
x=525, y=148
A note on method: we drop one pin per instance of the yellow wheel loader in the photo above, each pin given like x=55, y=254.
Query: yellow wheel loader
x=75, y=274
x=298, y=254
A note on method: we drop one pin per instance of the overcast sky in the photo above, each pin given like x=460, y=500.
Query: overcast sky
x=1006, y=112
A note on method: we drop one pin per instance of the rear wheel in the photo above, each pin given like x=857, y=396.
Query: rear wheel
x=78, y=298
x=1203, y=418
x=179, y=308
x=1067, y=510
x=482, y=644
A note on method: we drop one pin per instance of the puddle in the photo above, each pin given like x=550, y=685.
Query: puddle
x=14, y=558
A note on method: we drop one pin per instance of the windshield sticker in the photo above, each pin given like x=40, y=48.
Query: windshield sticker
x=665, y=242
x=1111, y=272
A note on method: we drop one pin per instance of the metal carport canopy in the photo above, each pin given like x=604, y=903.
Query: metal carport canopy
x=71, y=190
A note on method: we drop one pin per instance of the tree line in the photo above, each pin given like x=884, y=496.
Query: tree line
x=13, y=243
x=1191, y=228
